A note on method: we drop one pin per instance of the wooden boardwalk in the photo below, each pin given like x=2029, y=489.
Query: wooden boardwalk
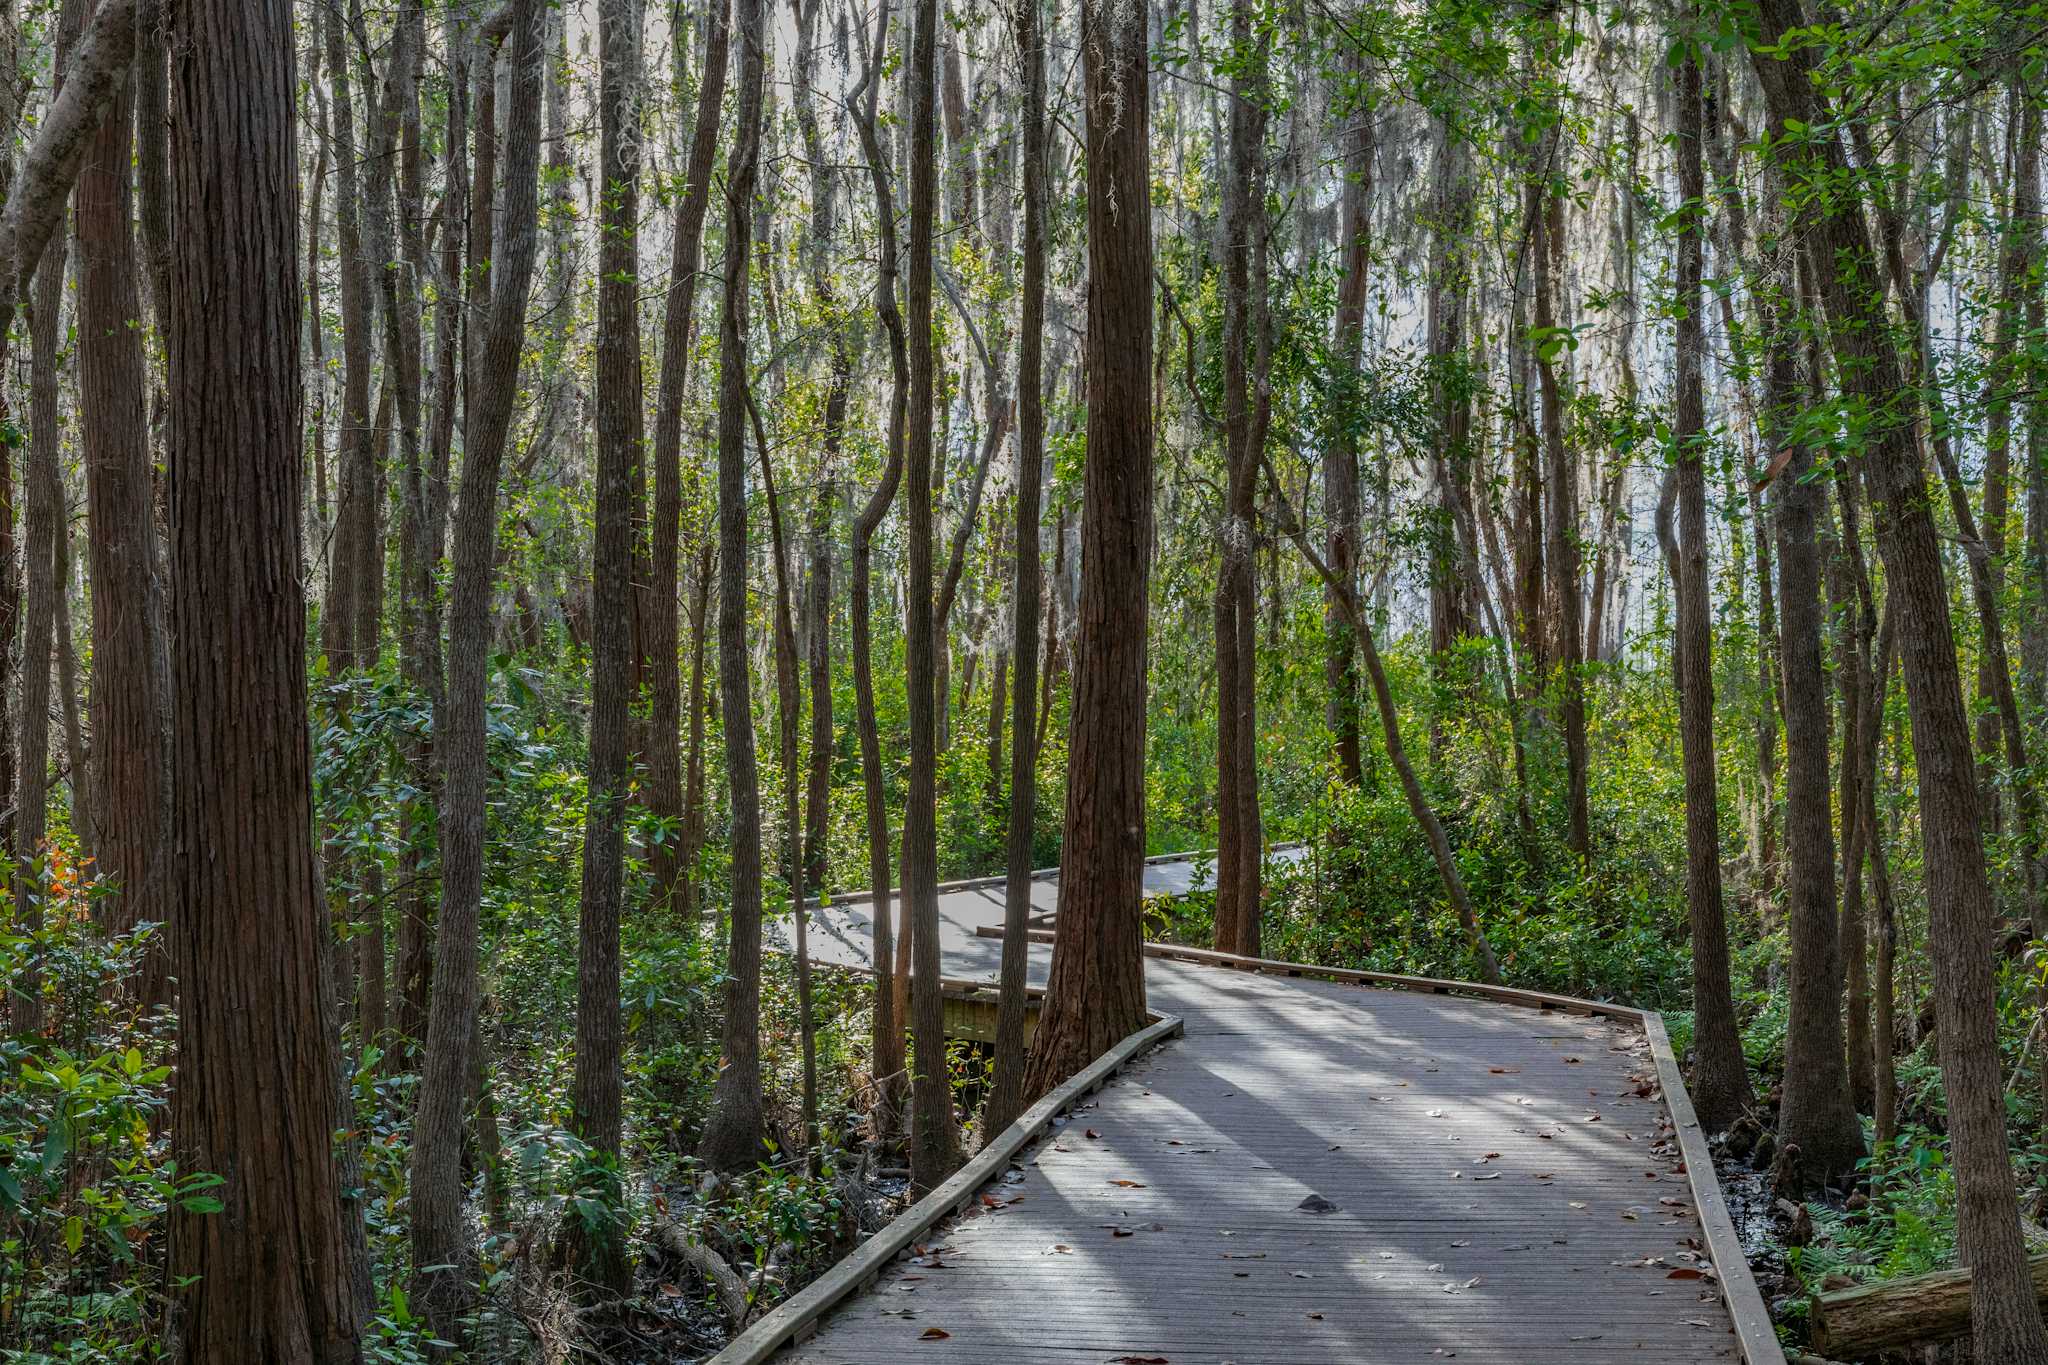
x=1316, y=1171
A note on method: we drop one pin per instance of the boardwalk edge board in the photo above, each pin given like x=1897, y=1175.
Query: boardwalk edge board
x=796, y=1316
x=1749, y=1319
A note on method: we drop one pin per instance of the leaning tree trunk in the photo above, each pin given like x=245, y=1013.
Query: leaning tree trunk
x=1096, y=995
x=278, y=1274
x=2006, y=1324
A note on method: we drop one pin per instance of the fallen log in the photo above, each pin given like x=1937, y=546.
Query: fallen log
x=711, y=1268
x=1852, y=1323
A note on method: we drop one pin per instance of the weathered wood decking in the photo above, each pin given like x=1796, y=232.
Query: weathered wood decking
x=1316, y=1171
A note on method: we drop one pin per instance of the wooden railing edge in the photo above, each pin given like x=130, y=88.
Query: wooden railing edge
x=1739, y=1293
x=1749, y=1318
x=796, y=1317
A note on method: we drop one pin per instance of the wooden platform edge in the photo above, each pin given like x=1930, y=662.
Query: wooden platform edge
x=1744, y=1301
x=791, y=1320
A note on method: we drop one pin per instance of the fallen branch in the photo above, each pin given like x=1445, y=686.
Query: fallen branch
x=711, y=1267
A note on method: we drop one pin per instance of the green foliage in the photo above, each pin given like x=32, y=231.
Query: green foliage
x=86, y=1178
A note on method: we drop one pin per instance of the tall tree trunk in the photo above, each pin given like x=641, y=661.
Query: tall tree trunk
x=419, y=910
x=818, y=661
x=419, y=617
x=1720, y=1076
x=1848, y=593
x=2006, y=1325
x=666, y=783
x=279, y=1274
x=1096, y=995
x=43, y=525
x=131, y=815
x=1340, y=466
x=788, y=706
x=597, y=1245
x=1819, y=1137
x=934, y=1148
x=732, y=1137
x=889, y=982
x=1238, y=844
x=440, y=1241
x=1560, y=477
x=1006, y=1102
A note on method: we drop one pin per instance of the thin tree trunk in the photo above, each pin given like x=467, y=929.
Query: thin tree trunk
x=440, y=1242
x=597, y=1245
x=1720, y=1076
x=1238, y=845
x=666, y=794
x=44, y=522
x=934, y=1148
x=1819, y=1138
x=732, y=1138
x=1340, y=468
x=890, y=982
x=1007, y=1100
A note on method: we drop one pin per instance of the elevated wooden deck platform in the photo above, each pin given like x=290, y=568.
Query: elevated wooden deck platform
x=1325, y=1170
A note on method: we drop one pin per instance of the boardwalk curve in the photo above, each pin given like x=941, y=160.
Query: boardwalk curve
x=1324, y=1170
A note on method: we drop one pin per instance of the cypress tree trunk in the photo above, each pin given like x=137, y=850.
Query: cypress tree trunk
x=1238, y=844
x=279, y=1273
x=131, y=810
x=1096, y=995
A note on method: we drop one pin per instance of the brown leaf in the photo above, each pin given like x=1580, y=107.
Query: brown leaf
x=1092, y=1133
x=1686, y=1272
x=933, y=1334
x=1138, y=1360
x=1128, y=1184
